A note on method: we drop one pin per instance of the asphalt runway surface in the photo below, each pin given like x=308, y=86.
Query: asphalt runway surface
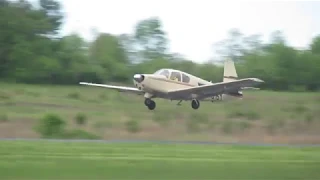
x=161, y=142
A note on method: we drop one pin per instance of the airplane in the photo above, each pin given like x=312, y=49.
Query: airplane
x=177, y=85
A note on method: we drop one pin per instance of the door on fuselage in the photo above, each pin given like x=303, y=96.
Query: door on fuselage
x=179, y=80
x=175, y=76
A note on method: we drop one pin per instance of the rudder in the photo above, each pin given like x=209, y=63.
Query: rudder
x=229, y=71
x=229, y=75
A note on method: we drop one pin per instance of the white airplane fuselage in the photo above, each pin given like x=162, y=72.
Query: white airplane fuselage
x=157, y=85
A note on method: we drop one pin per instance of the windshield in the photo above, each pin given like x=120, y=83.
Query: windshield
x=158, y=72
x=164, y=72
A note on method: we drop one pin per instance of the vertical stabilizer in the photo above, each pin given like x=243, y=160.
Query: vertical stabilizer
x=230, y=74
x=229, y=71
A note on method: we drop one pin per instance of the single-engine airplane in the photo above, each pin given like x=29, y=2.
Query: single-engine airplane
x=174, y=84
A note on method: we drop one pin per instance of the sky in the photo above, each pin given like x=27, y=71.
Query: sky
x=193, y=26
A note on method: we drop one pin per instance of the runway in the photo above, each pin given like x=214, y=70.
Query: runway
x=160, y=142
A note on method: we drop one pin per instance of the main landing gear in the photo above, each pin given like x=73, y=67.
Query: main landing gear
x=195, y=104
x=216, y=98
x=150, y=104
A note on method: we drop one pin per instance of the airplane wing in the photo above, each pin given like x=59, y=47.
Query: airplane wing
x=118, y=88
x=214, y=89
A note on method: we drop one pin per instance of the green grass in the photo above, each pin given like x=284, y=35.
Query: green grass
x=117, y=115
x=89, y=161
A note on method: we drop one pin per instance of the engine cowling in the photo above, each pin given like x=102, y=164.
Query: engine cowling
x=138, y=78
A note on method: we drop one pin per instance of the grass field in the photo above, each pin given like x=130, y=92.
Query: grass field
x=262, y=116
x=82, y=160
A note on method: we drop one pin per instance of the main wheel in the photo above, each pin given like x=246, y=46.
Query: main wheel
x=147, y=101
x=152, y=105
x=195, y=104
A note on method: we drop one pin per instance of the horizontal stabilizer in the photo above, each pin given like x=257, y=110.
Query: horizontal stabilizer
x=216, y=88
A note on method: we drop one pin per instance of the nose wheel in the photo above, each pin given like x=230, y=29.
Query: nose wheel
x=195, y=104
x=150, y=104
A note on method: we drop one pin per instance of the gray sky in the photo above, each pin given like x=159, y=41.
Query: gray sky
x=194, y=25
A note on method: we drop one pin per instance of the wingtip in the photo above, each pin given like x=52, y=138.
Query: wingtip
x=84, y=83
x=260, y=80
x=257, y=80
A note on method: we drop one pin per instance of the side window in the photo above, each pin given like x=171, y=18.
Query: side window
x=185, y=78
x=165, y=73
x=176, y=76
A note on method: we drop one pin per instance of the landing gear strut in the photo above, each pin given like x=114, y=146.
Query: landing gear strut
x=217, y=98
x=150, y=104
x=195, y=104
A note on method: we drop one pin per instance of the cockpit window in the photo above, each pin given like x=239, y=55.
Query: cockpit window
x=163, y=72
x=185, y=78
x=175, y=76
x=158, y=72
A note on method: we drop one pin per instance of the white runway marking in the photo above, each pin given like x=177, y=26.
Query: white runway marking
x=144, y=158
x=160, y=142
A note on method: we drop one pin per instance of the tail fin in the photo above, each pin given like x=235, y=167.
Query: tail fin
x=229, y=71
x=229, y=75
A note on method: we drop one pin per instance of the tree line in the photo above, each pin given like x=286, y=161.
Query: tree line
x=33, y=51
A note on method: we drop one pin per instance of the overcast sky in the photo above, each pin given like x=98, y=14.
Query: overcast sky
x=194, y=25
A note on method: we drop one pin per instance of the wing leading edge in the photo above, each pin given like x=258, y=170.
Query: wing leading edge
x=215, y=89
x=118, y=88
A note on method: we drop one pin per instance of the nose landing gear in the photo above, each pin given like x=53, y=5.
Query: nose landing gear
x=150, y=103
